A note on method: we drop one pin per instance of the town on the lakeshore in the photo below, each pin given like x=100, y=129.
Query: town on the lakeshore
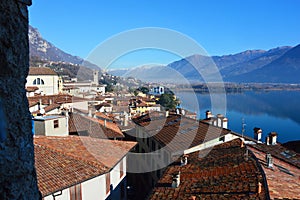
x=88, y=139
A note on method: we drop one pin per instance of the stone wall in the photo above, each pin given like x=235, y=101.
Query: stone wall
x=17, y=172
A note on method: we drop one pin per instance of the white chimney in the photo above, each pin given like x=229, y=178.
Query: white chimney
x=273, y=138
x=269, y=160
x=225, y=123
x=167, y=113
x=268, y=140
x=104, y=123
x=90, y=112
x=183, y=160
x=208, y=114
x=257, y=134
x=176, y=180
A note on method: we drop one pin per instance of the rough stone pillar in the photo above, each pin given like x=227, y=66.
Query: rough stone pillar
x=17, y=172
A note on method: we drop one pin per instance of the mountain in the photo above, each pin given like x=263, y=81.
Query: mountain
x=44, y=50
x=251, y=60
x=232, y=68
x=285, y=69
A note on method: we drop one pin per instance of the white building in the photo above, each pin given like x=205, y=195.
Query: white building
x=45, y=79
x=76, y=168
x=159, y=90
x=51, y=125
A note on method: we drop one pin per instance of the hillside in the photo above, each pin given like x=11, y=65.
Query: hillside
x=285, y=69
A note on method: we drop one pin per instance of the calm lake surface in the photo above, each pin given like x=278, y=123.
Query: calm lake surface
x=277, y=111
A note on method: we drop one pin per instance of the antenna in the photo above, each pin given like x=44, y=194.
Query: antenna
x=243, y=127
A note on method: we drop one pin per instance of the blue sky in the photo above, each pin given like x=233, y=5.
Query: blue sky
x=219, y=26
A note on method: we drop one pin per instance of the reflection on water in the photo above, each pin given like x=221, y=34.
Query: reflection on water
x=272, y=111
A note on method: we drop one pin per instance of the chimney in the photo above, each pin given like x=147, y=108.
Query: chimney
x=269, y=160
x=125, y=119
x=183, y=160
x=273, y=138
x=90, y=112
x=208, y=114
x=225, y=123
x=257, y=134
x=246, y=155
x=221, y=121
x=167, y=113
x=176, y=180
x=50, y=101
x=104, y=123
x=268, y=140
x=259, y=187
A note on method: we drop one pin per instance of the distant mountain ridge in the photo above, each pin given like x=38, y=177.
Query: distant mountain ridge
x=284, y=69
x=44, y=50
x=277, y=65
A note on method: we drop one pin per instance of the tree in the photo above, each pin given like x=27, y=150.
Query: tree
x=168, y=101
x=144, y=90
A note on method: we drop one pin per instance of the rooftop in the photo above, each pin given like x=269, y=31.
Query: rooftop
x=58, y=99
x=62, y=162
x=178, y=132
x=223, y=173
x=283, y=179
x=41, y=71
x=94, y=127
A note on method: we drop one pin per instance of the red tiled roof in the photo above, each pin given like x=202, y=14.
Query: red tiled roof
x=94, y=127
x=104, y=116
x=31, y=88
x=178, y=132
x=58, y=99
x=279, y=152
x=41, y=71
x=223, y=173
x=48, y=108
x=62, y=162
x=283, y=179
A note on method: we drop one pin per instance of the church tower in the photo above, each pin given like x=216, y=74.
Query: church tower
x=96, y=77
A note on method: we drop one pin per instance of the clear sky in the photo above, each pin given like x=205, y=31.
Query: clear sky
x=219, y=26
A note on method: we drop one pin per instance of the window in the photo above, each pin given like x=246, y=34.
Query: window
x=38, y=81
x=107, y=180
x=75, y=192
x=55, y=122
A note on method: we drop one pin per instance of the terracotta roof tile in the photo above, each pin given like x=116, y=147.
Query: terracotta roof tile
x=31, y=89
x=222, y=174
x=178, y=132
x=95, y=127
x=283, y=179
x=41, y=71
x=59, y=99
x=62, y=162
x=48, y=108
x=279, y=152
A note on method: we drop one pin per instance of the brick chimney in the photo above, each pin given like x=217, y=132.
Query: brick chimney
x=257, y=134
x=176, y=180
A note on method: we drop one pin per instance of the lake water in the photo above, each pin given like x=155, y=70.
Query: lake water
x=277, y=111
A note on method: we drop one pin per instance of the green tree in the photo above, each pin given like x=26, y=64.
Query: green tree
x=144, y=90
x=168, y=101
